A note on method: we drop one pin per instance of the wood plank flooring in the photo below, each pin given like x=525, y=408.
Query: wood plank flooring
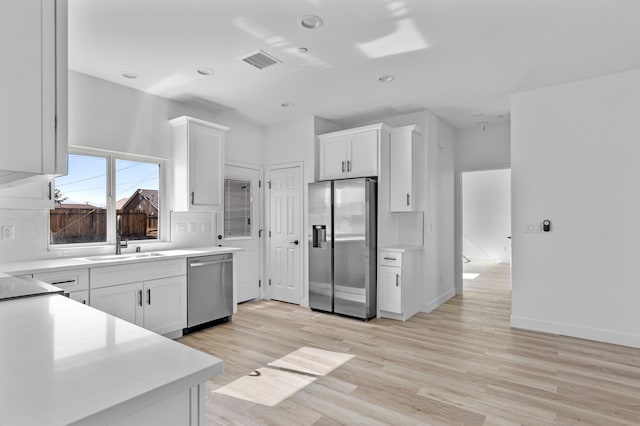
x=461, y=364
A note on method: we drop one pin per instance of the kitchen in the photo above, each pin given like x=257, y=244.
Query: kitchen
x=108, y=116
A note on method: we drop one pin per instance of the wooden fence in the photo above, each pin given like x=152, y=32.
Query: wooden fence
x=89, y=225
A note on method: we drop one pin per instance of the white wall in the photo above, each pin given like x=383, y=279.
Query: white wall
x=478, y=150
x=486, y=213
x=575, y=151
x=108, y=116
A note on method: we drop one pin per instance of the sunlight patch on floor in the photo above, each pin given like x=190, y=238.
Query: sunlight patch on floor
x=469, y=276
x=270, y=388
x=284, y=377
x=314, y=361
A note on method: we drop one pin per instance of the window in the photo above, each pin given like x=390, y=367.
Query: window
x=237, y=208
x=100, y=187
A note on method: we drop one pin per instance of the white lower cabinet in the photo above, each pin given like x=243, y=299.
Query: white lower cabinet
x=80, y=296
x=390, y=285
x=123, y=301
x=398, y=283
x=143, y=293
x=75, y=282
x=165, y=304
x=156, y=305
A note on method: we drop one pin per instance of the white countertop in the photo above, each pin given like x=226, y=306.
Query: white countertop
x=62, y=263
x=64, y=362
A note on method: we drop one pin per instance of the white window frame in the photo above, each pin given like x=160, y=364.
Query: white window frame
x=163, y=195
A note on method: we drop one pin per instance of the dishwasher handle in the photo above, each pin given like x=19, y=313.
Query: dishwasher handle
x=212, y=262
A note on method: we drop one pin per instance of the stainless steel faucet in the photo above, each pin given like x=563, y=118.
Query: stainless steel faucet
x=119, y=244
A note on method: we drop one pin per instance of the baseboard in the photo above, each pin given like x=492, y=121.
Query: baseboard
x=572, y=330
x=430, y=306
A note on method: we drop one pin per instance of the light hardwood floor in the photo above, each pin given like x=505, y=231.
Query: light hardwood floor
x=461, y=364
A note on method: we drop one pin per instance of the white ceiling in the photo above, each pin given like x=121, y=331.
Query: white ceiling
x=457, y=58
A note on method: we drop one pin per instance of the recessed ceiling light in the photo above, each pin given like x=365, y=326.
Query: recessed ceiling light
x=286, y=105
x=129, y=74
x=311, y=22
x=386, y=78
x=205, y=71
x=303, y=50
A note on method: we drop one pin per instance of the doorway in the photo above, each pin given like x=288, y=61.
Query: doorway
x=484, y=237
x=242, y=226
x=285, y=233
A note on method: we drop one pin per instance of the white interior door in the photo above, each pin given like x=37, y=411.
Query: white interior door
x=241, y=226
x=285, y=233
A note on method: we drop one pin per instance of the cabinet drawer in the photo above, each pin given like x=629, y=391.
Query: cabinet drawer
x=69, y=280
x=390, y=258
x=135, y=272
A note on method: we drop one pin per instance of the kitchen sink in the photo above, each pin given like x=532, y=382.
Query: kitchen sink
x=129, y=256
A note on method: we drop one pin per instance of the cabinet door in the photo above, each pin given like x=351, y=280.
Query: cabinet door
x=333, y=158
x=123, y=301
x=390, y=289
x=165, y=304
x=32, y=194
x=362, y=160
x=80, y=296
x=29, y=37
x=400, y=176
x=206, y=163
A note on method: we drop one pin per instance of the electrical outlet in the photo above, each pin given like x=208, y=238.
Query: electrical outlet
x=8, y=233
x=182, y=228
x=192, y=227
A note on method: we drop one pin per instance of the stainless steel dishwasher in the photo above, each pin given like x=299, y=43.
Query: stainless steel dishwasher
x=209, y=290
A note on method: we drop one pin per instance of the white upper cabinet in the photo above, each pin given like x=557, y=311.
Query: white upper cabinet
x=198, y=164
x=404, y=170
x=33, y=83
x=350, y=153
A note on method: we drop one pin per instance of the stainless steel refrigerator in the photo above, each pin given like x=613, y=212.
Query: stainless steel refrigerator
x=342, y=247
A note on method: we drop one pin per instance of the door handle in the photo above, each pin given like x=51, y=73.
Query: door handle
x=149, y=296
x=343, y=167
x=139, y=297
x=296, y=242
x=397, y=280
x=193, y=194
x=348, y=165
x=407, y=199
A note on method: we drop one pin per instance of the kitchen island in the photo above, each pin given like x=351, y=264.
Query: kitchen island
x=63, y=363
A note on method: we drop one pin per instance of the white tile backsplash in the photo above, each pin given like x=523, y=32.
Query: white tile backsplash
x=193, y=229
x=30, y=235
x=188, y=229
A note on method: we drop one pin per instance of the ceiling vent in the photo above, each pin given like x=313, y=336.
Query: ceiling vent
x=261, y=60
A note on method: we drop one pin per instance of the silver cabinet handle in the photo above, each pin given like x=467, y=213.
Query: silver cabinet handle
x=213, y=262
x=348, y=165
x=407, y=199
x=139, y=297
x=148, y=296
x=397, y=280
x=343, y=167
x=50, y=191
x=63, y=282
x=390, y=258
x=193, y=194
